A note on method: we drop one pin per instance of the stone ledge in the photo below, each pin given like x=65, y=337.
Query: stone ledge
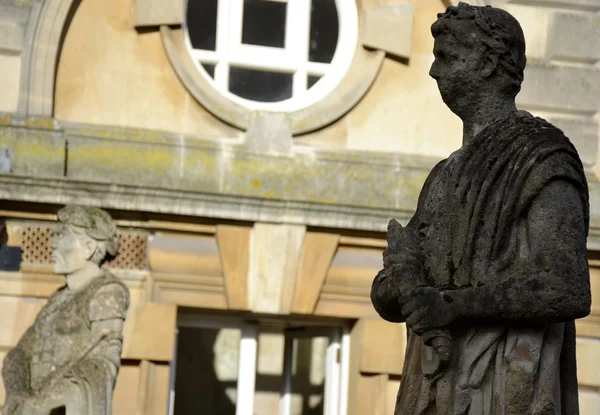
x=226, y=207
x=113, y=196
x=158, y=172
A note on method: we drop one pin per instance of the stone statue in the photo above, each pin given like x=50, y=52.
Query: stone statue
x=492, y=270
x=69, y=359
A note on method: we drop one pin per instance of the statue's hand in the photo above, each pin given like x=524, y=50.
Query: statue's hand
x=428, y=310
x=401, y=240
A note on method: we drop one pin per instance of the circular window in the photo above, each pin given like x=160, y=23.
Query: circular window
x=280, y=55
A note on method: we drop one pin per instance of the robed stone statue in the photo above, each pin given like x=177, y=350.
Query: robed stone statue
x=492, y=270
x=68, y=360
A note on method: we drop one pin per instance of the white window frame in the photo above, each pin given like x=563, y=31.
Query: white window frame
x=336, y=374
x=293, y=58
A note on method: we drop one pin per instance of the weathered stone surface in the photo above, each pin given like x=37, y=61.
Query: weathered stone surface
x=560, y=88
x=70, y=356
x=574, y=37
x=34, y=152
x=389, y=29
x=272, y=274
x=316, y=187
x=11, y=37
x=10, y=66
x=491, y=271
x=269, y=132
x=158, y=12
x=120, y=161
x=13, y=23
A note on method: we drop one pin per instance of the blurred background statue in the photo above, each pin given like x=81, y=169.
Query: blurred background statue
x=68, y=360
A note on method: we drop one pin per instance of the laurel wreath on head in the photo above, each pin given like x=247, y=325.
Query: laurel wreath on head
x=95, y=222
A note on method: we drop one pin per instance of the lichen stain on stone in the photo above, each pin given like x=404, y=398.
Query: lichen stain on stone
x=33, y=148
x=41, y=122
x=109, y=157
x=6, y=119
x=255, y=183
x=272, y=195
x=197, y=160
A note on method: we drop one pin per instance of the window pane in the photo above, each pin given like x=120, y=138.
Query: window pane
x=312, y=80
x=260, y=85
x=202, y=23
x=308, y=375
x=210, y=69
x=206, y=371
x=324, y=28
x=264, y=23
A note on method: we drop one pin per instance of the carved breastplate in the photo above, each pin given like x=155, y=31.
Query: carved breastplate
x=62, y=329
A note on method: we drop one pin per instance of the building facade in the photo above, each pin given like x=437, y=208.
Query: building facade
x=252, y=153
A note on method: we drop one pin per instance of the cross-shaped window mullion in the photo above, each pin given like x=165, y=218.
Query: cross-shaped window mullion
x=291, y=59
x=297, y=39
x=223, y=33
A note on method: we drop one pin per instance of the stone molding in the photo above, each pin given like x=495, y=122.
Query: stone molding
x=43, y=40
x=218, y=206
x=128, y=169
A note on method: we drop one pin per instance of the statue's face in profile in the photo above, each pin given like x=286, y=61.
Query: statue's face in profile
x=456, y=69
x=70, y=250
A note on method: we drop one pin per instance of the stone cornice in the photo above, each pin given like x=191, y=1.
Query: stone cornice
x=153, y=171
x=218, y=206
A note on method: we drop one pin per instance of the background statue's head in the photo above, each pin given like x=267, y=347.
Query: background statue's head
x=84, y=235
x=478, y=50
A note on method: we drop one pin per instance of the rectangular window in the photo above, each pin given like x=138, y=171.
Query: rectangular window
x=232, y=367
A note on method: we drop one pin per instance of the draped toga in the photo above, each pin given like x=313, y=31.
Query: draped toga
x=471, y=221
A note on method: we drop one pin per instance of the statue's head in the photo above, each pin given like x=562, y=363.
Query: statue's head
x=85, y=234
x=478, y=50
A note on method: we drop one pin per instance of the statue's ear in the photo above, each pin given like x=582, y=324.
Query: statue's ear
x=490, y=63
x=90, y=248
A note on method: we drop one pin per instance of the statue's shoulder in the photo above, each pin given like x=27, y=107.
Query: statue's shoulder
x=530, y=124
x=109, y=299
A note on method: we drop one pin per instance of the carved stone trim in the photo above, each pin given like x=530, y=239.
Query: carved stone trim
x=64, y=191
x=158, y=12
x=200, y=88
x=189, y=291
x=38, y=69
x=389, y=29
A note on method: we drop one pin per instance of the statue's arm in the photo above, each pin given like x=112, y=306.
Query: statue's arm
x=110, y=348
x=401, y=263
x=385, y=294
x=15, y=369
x=559, y=288
x=108, y=311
